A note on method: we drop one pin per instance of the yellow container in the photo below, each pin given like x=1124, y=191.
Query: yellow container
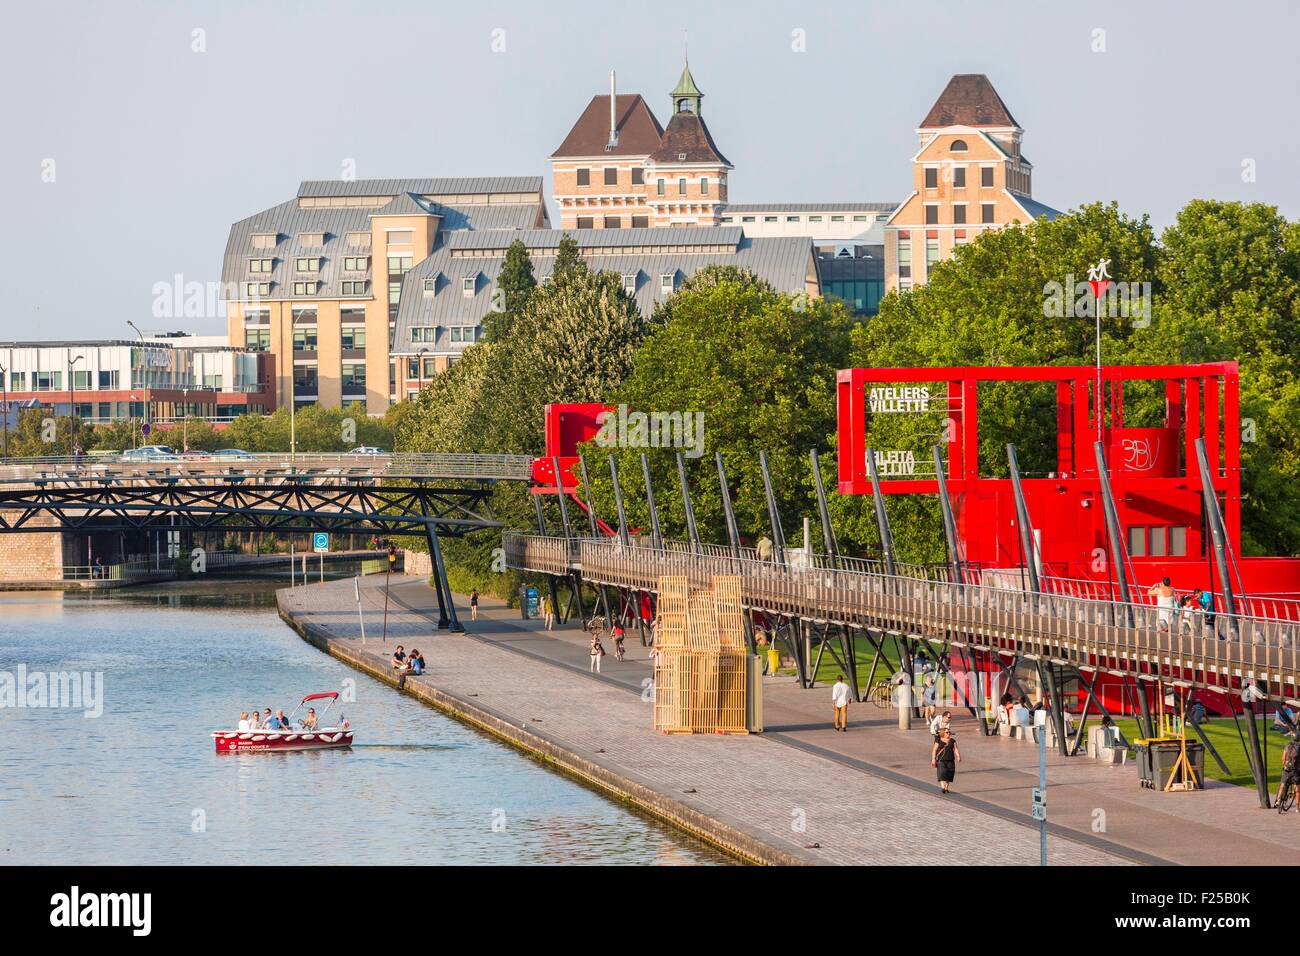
x=773, y=660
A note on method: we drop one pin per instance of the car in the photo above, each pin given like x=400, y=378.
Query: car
x=237, y=453
x=150, y=453
x=367, y=450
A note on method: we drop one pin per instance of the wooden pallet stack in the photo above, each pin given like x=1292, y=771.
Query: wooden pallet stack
x=700, y=658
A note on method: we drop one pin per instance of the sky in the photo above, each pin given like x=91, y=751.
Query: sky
x=136, y=132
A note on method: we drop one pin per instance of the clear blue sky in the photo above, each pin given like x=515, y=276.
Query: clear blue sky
x=157, y=149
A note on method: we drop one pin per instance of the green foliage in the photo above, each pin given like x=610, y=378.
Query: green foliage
x=760, y=366
x=516, y=284
x=314, y=429
x=568, y=260
x=41, y=434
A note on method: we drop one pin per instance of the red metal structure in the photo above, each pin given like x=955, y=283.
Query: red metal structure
x=1154, y=473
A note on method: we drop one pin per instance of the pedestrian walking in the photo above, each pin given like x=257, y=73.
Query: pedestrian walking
x=940, y=723
x=619, y=649
x=473, y=605
x=930, y=698
x=840, y=698
x=597, y=652
x=548, y=610
x=944, y=758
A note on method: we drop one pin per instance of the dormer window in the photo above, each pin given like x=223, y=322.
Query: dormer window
x=359, y=240
x=256, y=290
x=311, y=240
x=264, y=240
x=307, y=264
x=260, y=265
x=629, y=282
x=668, y=282
x=469, y=285
x=305, y=288
x=356, y=263
x=430, y=285
x=958, y=146
x=546, y=279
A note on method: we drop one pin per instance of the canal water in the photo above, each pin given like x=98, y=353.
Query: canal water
x=140, y=783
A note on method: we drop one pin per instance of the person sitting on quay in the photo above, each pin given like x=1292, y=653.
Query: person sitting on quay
x=309, y=722
x=415, y=663
x=399, y=659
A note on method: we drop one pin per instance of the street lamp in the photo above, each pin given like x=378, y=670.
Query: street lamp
x=419, y=358
x=144, y=354
x=185, y=412
x=4, y=384
x=72, y=399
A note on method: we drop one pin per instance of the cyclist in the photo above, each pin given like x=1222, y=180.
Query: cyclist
x=1290, y=774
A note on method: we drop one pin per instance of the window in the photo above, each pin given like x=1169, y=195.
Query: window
x=469, y=285
x=462, y=333
x=1178, y=542
x=859, y=218
x=585, y=222
x=108, y=379
x=356, y=263
x=746, y=218
x=704, y=185
x=359, y=240
x=959, y=177
x=629, y=283
x=47, y=381
x=611, y=175
x=80, y=379
x=931, y=177
x=353, y=337
x=668, y=282
x=254, y=290
x=304, y=379
x=584, y=177
x=259, y=340
x=640, y=222
x=260, y=265
x=424, y=333
x=1137, y=542
x=264, y=240
x=354, y=378
x=311, y=240
x=400, y=265
x=309, y=264
x=904, y=258
x=353, y=287
x=638, y=176
x=659, y=187
x=430, y=285
x=401, y=237
x=931, y=254
x=986, y=212
x=770, y=218
x=613, y=222
x=837, y=218
x=931, y=214
x=304, y=338
x=958, y=146
x=986, y=176
x=18, y=381
x=791, y=218
x=814, y=218
x=305, y=288
x=727, y=219
x=959, y=213
x=681, y=186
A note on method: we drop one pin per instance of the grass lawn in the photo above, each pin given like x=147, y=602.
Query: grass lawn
x=1222, y=733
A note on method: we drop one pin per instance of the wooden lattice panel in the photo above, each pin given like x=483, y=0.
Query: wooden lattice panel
x=700, y=659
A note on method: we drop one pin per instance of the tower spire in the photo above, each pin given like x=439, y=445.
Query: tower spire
x=687, y=96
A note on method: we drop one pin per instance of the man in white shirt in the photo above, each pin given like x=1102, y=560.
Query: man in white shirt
x=940, y=722
x=840, y=698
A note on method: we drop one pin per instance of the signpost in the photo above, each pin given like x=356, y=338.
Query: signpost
x=320, y=543
x=1039, y=808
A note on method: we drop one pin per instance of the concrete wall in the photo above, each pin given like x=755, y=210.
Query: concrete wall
x=33, y=557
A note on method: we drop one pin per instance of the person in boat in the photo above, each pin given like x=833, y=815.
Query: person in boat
x=254, y=719
x=309, y=722
x=284, y=721
x=415, y=663
x=244, y=722
x=269, y=721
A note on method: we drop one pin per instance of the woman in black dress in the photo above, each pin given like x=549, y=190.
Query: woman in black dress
x=944, y=757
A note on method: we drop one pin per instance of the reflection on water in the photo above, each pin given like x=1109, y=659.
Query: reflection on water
x=141, y=783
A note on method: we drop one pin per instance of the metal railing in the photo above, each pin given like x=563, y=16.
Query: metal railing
x=326, y=466
x=108, y=572
x=1208, y=650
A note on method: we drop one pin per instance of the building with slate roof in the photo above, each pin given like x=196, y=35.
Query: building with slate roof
x=620, y=168
x=969, y=176
x=317, y=281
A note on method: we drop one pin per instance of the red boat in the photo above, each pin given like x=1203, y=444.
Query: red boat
x=277, y=741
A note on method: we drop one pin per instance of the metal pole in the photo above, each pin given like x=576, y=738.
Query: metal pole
x=1214, y=517
x=595, y=533
x=1027, y=548
x=618, y=502
x=4, y=384
x=949, y=523
x=733, y=534
x=1118, y=554
x=882, y=516
x=773, y=516
x=1042, y=786
x=361, y=618
x=656, y=537
x=687, y=506
x=828, y=533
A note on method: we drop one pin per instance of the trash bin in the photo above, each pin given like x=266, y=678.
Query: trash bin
x=1157, y=757
x=773, y=660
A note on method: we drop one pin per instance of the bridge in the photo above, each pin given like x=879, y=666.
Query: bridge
x=429, y=495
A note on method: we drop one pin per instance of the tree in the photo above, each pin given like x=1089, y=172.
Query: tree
x=707, y=278
x=568, y=260
x=756, y=370
x=41, y=434
x=516, y=284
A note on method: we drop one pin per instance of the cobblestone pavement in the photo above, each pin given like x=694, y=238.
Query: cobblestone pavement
x=799, y=802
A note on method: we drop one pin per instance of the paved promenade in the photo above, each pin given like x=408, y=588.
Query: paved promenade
x=761, y=796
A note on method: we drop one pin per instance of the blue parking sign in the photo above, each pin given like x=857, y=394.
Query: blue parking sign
x=320, y=541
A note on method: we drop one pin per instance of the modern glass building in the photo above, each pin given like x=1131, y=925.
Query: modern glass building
x=856, y=275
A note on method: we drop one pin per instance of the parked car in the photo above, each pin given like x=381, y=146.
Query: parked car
x=236, y=453
x=367, y=450
x=150, y=453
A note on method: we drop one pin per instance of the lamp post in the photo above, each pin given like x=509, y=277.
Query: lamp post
x=4, y=384
x=185, y=412
x=72, y=400
x=419, y=358
x=145, y=356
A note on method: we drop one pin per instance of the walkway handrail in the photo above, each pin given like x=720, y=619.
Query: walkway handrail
x=1199, y=649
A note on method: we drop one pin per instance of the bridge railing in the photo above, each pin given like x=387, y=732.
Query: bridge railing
x=313, y=465
x=1188, y=645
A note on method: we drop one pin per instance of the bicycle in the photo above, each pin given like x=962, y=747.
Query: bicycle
x=1286, y=794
